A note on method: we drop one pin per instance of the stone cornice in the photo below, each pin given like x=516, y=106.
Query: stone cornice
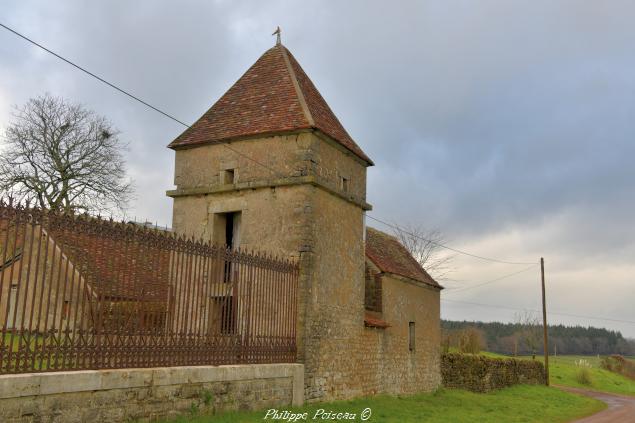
x=269, y=183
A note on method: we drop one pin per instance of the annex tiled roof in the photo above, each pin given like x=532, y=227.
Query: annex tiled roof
x=274, y=95
x=374, y=322
x=144, y=278
x=390, y=256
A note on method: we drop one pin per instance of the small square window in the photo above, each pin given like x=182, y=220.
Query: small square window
x=411, y=336
x=227, y=176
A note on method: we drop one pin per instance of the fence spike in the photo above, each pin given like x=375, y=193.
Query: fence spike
x=142, y=279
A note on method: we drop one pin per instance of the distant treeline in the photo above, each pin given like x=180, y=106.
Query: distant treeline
x=512, y=338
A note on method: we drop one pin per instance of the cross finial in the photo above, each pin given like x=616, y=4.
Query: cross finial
x=277, y=34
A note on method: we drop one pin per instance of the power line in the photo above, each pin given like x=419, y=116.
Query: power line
x=226, y=145
x=461, y=289
x=608, y=319
x=93, y=75
x=169, y=116
x=456, y=250
x=127, y=93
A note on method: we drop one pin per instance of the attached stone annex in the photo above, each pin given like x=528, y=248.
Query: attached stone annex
x=269, y=166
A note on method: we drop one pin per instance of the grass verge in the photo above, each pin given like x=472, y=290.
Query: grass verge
x=515, y=404
x=565, y=372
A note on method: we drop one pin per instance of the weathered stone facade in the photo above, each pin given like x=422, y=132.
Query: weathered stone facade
x=307, y=215
x=390, y=365
x=303, y=215
x=298, y=192
x=113, y=396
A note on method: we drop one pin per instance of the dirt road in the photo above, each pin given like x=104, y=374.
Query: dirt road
x=621, y=408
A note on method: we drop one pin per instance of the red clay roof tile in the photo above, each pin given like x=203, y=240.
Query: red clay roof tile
x=390, y=256
x=274, y=95
x=374, y=322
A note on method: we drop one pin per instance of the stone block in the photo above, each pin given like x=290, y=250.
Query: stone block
x=125, y=378
x=190, y=390
x=21, y=385
x=178, y=375
x=59, y=382
x=12, y=407
x=244, y=387
x=161, y=393
x=160, y=376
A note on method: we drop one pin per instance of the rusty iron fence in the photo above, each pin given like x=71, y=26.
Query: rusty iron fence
x=78, y=292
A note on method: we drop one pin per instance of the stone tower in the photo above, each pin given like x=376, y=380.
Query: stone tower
x=270, y=167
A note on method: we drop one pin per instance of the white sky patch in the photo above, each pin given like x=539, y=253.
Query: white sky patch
x=574, y=285
x=4, y=111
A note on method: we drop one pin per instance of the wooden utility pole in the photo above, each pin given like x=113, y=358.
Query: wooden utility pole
x=544, y=321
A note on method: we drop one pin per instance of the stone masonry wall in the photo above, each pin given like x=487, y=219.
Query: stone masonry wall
x=282, y=156
x=407, y=371
x=304, y=211
x=483, y=374
x=370, y=361
x=318, y=222
x=334, y=302
x=112, y=396
x=384, y=362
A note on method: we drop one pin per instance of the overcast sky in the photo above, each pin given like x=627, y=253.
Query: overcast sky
x=507, y=125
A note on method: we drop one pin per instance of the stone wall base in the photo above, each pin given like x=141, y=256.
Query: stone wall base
x=147, y=394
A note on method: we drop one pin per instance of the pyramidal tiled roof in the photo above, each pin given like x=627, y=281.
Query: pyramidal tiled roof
x=274, y=95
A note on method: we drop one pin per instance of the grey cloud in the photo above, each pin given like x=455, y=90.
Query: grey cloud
x=483, y=118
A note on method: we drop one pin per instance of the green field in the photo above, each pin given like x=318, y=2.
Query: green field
x=516, y=404
x=563, y=370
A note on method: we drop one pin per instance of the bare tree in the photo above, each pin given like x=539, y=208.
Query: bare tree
x=509, y=344
x=61, y=156
x=471, y=340
x=531, y=330
x=425, y=247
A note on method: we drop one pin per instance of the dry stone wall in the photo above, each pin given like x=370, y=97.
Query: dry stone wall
x=478, y=373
